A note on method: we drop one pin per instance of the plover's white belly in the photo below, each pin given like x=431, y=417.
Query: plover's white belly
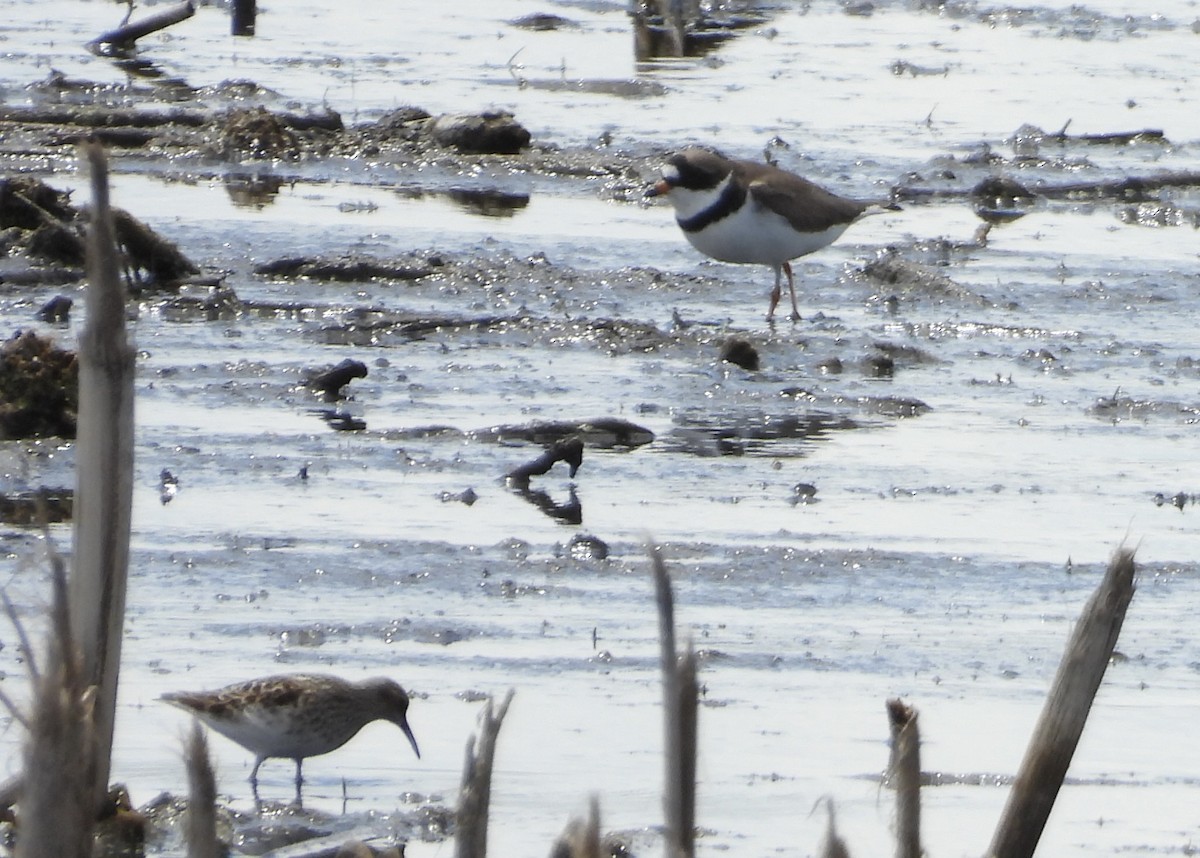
x=753, y=234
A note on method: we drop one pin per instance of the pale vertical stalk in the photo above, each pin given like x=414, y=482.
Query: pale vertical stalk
x=832, y=845
x=680, y=693
x=104, y=472
x=475, y=795
x=686, y=709
x=1065, y=713
x=581, y=839
x=904, y=771
x=200, y=826
x=57, y=806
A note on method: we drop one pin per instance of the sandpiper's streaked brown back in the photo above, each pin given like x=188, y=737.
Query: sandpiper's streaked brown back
x=297, y=715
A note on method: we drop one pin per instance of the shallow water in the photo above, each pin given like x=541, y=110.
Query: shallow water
x=945, y=556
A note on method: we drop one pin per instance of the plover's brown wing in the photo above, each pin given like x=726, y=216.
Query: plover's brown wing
x=806, y=206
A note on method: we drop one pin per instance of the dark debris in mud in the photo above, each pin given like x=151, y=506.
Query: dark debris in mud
x=39, y=388
x=37, y=509
x=1121, y=406
x=915, y=280
x=230, y=129
x=602, y=433
x=278, y=826
x=42, y=226
x=350, y=268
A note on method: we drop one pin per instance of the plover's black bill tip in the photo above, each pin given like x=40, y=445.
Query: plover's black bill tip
x=657, y=189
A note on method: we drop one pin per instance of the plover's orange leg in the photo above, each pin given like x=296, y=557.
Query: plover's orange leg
x=787, y=266
x=776, y=292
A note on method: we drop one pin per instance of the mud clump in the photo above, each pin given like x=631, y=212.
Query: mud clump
x=348, y=268
x=740, y=352
x=40, y=223
x=36, y=509
x=329, y=383
x=258, y=134
x=39, y=388
x=494, y=132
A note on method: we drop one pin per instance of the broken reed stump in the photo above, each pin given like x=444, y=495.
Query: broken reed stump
x=667, y=38
x=904, y=772
x=200, y=825
x=103, y=474
x=832, y=845
x=581, y=837
x=57, y=799
x=471, y=816
x=680, y=696
x=1065, y=713
x=123, y=38
x=241, y=17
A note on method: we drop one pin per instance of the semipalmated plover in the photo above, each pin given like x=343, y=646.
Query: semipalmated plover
x=747, y=212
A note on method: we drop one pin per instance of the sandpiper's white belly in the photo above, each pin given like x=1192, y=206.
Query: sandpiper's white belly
x=272, y=732
x=755, y=234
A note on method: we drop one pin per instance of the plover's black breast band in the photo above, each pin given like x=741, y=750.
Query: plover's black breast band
x=731, y=199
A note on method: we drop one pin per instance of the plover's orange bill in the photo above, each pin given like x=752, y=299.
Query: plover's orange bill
x=296, y=716
x=747, y=212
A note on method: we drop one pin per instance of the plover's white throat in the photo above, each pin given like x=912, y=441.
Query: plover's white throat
x=743, y=211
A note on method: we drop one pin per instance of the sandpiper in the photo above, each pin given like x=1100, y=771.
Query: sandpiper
x=296, y=716
x=747, y=212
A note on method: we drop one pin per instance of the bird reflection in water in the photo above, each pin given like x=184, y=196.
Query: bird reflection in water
x=569, y=450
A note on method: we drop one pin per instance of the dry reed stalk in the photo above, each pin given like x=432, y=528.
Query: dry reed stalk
x=904, y=771
x=471, y=817
x=680, y=704
x=200, y=826
x=1065, y=713
x=103, y=473
x=832, y=845
x=581, y=838
x=57, y=801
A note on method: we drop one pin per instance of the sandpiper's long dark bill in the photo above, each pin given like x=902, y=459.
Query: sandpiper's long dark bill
x=747, y=212
x=298, y=715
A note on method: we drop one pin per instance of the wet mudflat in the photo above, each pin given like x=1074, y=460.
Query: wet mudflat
x=912, y=496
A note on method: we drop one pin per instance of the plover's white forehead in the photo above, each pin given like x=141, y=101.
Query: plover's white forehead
x=670, y=174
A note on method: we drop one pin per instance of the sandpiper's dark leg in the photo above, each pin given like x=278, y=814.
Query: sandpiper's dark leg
x=254, y=783
x=299, y=780
x=775, y=293
x=787, y=266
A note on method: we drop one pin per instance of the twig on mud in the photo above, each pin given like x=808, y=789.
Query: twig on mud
x=122, y=39
x=512, y=69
